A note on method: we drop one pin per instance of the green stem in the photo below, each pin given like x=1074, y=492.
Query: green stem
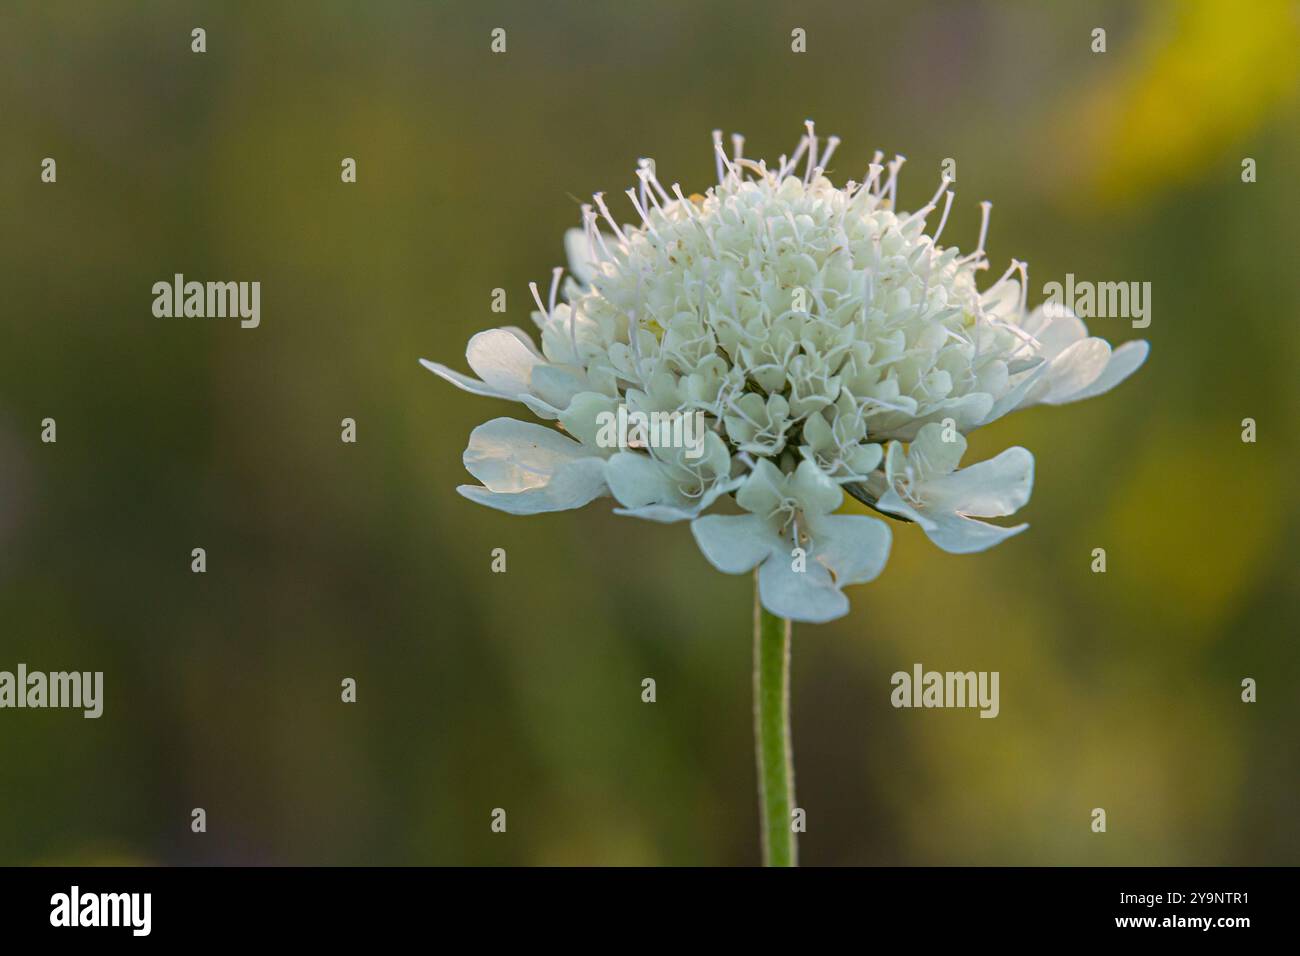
x=772, y=735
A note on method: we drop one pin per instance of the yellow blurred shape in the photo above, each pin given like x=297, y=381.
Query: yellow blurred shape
x=1206, y=74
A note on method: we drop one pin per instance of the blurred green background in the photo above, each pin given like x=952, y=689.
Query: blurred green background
x=479, y=690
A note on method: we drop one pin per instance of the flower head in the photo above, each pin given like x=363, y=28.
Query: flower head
x=815, y=331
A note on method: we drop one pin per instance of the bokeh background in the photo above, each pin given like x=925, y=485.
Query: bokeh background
x=522, y=690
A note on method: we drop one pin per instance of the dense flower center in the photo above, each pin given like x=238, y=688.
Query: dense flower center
x=768, y=300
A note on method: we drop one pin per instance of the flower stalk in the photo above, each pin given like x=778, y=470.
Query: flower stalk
x=772, y=735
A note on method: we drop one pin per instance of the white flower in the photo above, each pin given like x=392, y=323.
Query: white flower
x=808, y=325
x=804, y=554
x=924, y=484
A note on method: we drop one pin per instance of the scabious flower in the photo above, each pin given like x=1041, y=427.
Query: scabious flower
x=829, y=344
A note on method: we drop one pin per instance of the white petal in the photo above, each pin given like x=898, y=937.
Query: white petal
x=895, y=460
x=816, y=492
x=893, y=503
x=559, y=331
x=663, y=514
x=472, y=385
x=989, y=489
x=958, y=535
x=556, y=386
x=503, y=360
x=1055, y=327
x=511, y=393
x=523, y=337
x=854, y=547
x=933, y=457
x=735, y=544
x=1124, y=361
x=637, y=480
x=510, y=456
x=572, y=486
x=1077, y=367
x=1017, y=397
x=863, y=459
x=763, y=490
x=688, y=509
x=967, y=411
x=808, y=595
x=714, y=457
x=577, y=248
x=1002, y=298
x=586, y=417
